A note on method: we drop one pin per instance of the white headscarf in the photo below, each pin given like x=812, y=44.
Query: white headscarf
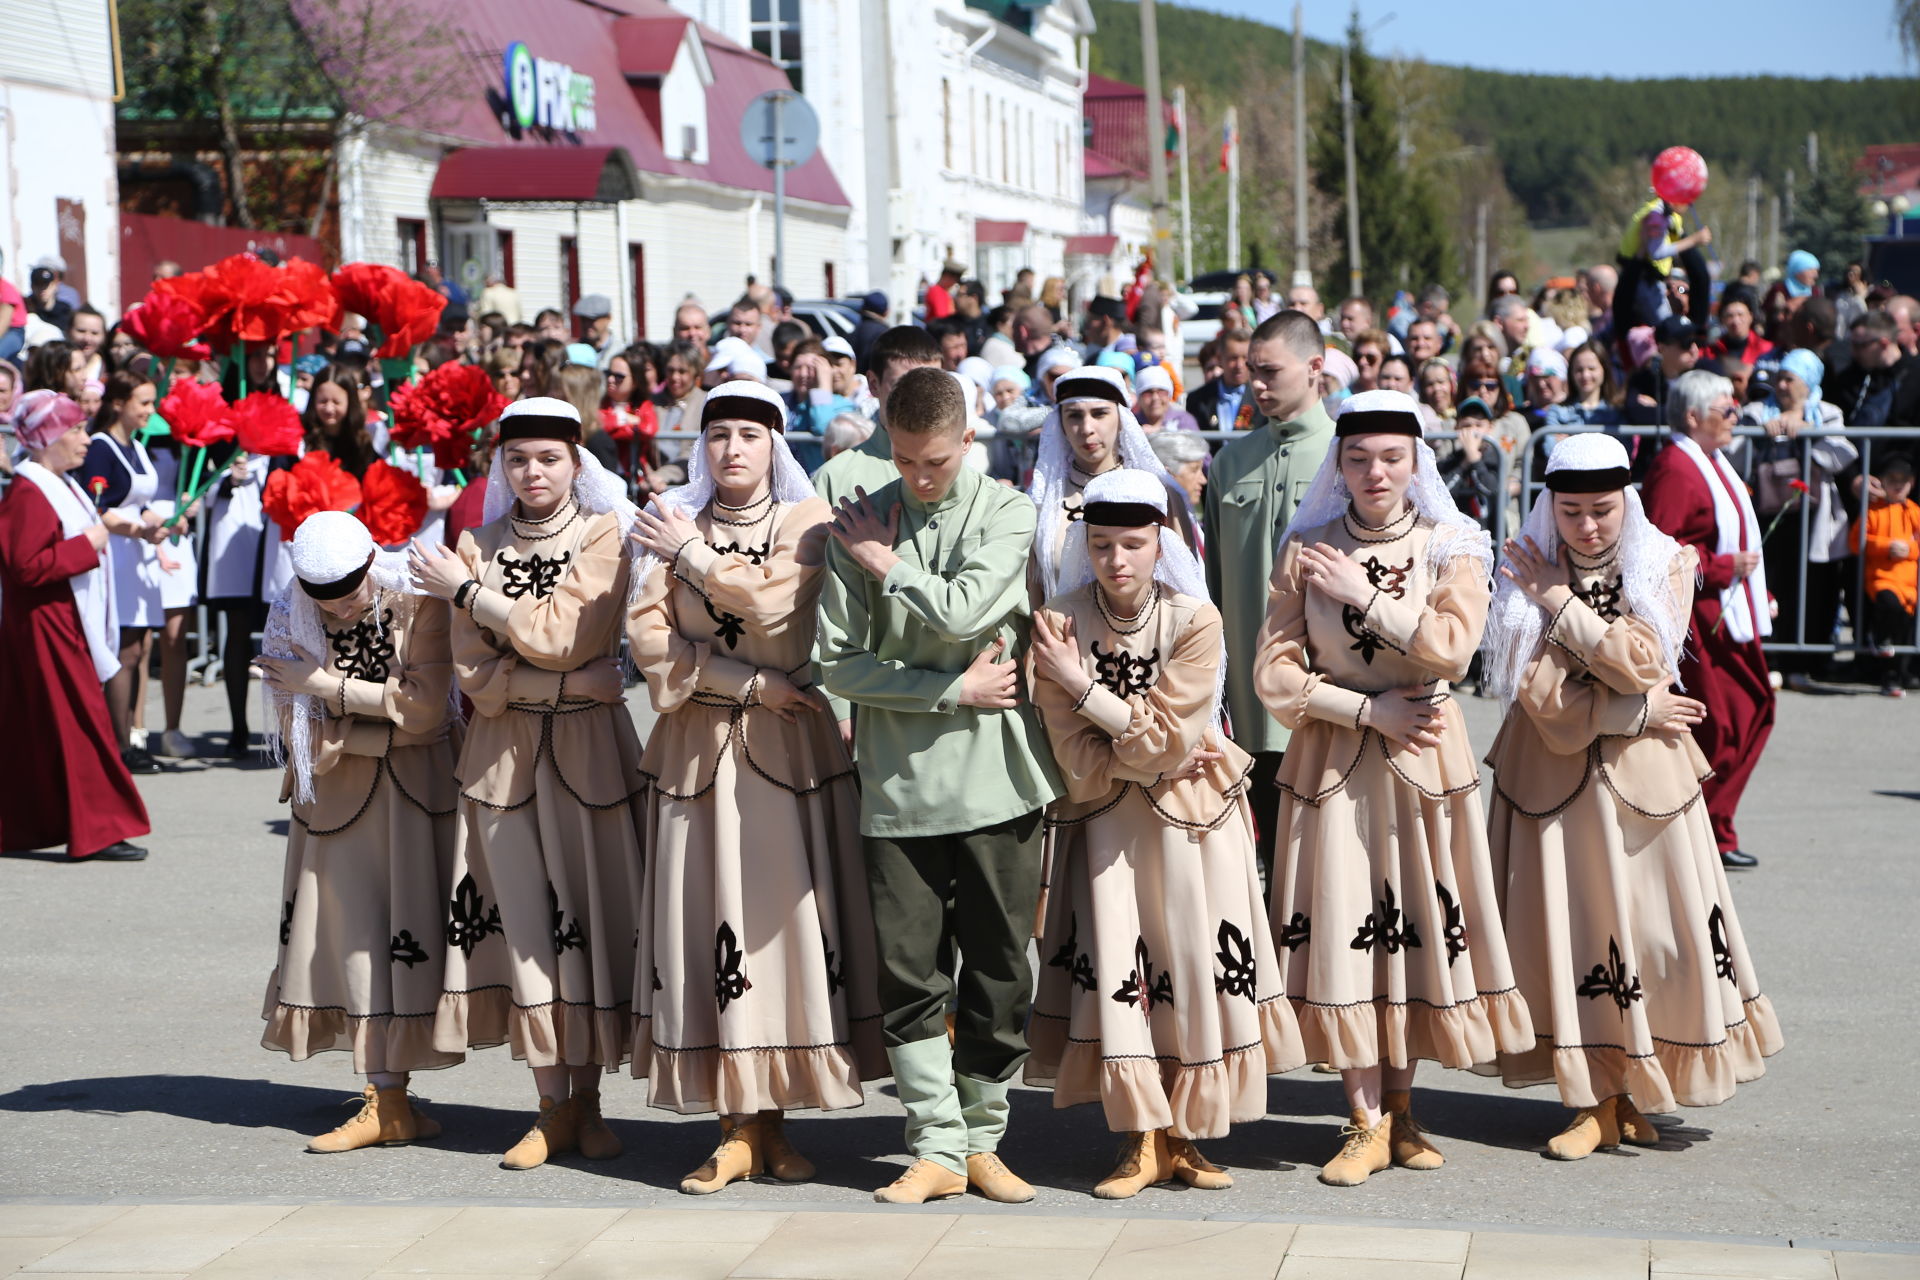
x=1176, y=568
x=1052, y=470
x=596, y=489
x=1328, y=497
x=727, y=402
x=1515, y=623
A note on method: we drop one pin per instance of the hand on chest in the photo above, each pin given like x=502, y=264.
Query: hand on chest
x=365, y=650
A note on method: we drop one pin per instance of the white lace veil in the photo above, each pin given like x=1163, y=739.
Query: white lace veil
x=596, y=489
x=1454, y=534
x=295, y=628
x=1515, y=623
x=1052, y=470
x=1176, y=568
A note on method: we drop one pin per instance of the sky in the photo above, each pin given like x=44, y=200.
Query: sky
x=1712, y=37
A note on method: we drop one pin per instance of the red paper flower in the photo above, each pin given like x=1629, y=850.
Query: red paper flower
x=315, y=483
x=242, y=299
x=406, y=311
x=305, y=296
x=1798, y=486
x=167, y=326
x=445, y=411
x=196, y=414
x=267, y=425
x=392, y=504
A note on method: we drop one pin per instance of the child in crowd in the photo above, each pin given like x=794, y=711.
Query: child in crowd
x=1891, y=532
x=922, y=620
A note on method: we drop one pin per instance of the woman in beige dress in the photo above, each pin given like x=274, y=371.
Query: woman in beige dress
x=1090, y=431
x=754, y=983
x=1618, y=917
x=1385, y=903
x=1160, y=995
x=358, y=670
x=541, y=921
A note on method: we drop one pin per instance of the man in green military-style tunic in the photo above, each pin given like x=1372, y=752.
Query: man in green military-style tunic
x=922, y=619
x=1253, y=487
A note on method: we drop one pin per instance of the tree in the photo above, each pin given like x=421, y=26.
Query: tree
x=1403, y=241
x=1830, y=218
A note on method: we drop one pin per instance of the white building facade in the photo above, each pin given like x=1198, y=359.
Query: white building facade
x=59, y=185
x=955, y=128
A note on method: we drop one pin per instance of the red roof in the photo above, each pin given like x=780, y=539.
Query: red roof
x=1116, y=115
x=987, y=231
x=1099, y=166
x=607, y=40
x=1098, y=246
x=535, y=173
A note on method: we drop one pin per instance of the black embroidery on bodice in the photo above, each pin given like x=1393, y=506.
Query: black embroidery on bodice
x=731, y=625
x=1075, y=514
x=836, y=973
x=567, y=936
x=469, y=918
x=535, y=574
x=1386, y=927
x=1077, y=963
x=729, y=980
x=1124, y=674
x=286, y=921
x=1612, y=980
x=1144, y=988
x=405, y=949
x=364, y=650
x=755, y=555
x=1235, y=955
x=1452, y=928
x=1602, y=596
x=1717, y=935
x=1295, y=933
x=1389, y=578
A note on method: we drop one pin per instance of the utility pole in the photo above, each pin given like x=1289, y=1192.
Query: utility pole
x=1773, y=236
x=1156, y=126
x=1753, y=218
x=1186, y=190
x=1480, y=255
x=1302, y=269
x=1790, y=193
x=1355, y=278
x=1232, y=126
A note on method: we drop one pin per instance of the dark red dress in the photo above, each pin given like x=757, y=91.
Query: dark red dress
x=66, y=784
x=1727, y=675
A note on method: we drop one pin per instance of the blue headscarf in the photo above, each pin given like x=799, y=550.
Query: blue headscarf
x=1797, y=261
x=1806, y=366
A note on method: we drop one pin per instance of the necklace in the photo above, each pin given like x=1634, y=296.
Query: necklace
x=1139, y=620
x=520, y=519
x=568, y=507
x=749, y=523
x=1084, y=478
x=1394, y=530
x=754, y=504
x=1606, y=560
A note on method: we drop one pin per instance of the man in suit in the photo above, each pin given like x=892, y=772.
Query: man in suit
x=1217, y=405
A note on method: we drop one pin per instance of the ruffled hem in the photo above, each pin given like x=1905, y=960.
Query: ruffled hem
x=1374, y=1032
x=1673, y=1076
x=558, y=1033
x=739, y=1081
x=378, y=1041
x=1194, y=1100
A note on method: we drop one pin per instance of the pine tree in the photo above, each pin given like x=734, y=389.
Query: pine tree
x=1831, y=219
x=1403, y=244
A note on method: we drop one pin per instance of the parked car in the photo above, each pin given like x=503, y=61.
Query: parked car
x=1207, y=296
x=827, y=317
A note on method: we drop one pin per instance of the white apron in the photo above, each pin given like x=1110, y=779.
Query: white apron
x=136, y=562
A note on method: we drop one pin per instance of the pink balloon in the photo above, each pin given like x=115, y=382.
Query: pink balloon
x=1679, y=175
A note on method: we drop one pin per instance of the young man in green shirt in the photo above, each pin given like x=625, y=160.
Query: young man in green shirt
x=922, y=619
x=1252, y=489
x=870, y=464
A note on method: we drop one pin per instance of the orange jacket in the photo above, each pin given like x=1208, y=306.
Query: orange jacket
x=1885, y=524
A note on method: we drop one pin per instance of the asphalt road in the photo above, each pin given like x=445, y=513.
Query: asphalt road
x=130, y=1063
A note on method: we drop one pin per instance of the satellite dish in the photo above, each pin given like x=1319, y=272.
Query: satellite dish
x=780, y=130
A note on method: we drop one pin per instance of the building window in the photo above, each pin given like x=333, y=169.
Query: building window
x=1006, y=146
x=637, y=263
x=413, y=244
x=833, y=284
x=774, y=29
x=570, y=280
x=503, y=256
x=946, y=121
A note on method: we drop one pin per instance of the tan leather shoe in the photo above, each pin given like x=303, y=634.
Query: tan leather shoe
x=1367, y=1151
x=595, y=1139
x=386, y=1118
x=1409, y=1147
x=989, y=1175
x=1635, y=1129
x=739, y=1155
x=1143, y=1162
x=782, y=1160
x=553, y=1132
x=1195, y=1169
x=1592, y=1128
x=924, y=1180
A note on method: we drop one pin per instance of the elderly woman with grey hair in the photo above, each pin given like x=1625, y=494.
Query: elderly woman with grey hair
x=1185, y=457
x=1694, y=495
x=846, y=431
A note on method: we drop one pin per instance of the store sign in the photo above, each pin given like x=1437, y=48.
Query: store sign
x=547, y=95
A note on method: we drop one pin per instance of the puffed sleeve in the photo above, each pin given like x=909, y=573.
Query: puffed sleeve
x=574, y=624
x=1570, y=712
x=1442, y=632
x=484, y=672
x=1624, y=654
x=674, y=666
x=413, y=698
x=763, y=594
x=1283, y=674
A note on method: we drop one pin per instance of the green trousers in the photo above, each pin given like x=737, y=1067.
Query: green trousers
x=976, y=890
